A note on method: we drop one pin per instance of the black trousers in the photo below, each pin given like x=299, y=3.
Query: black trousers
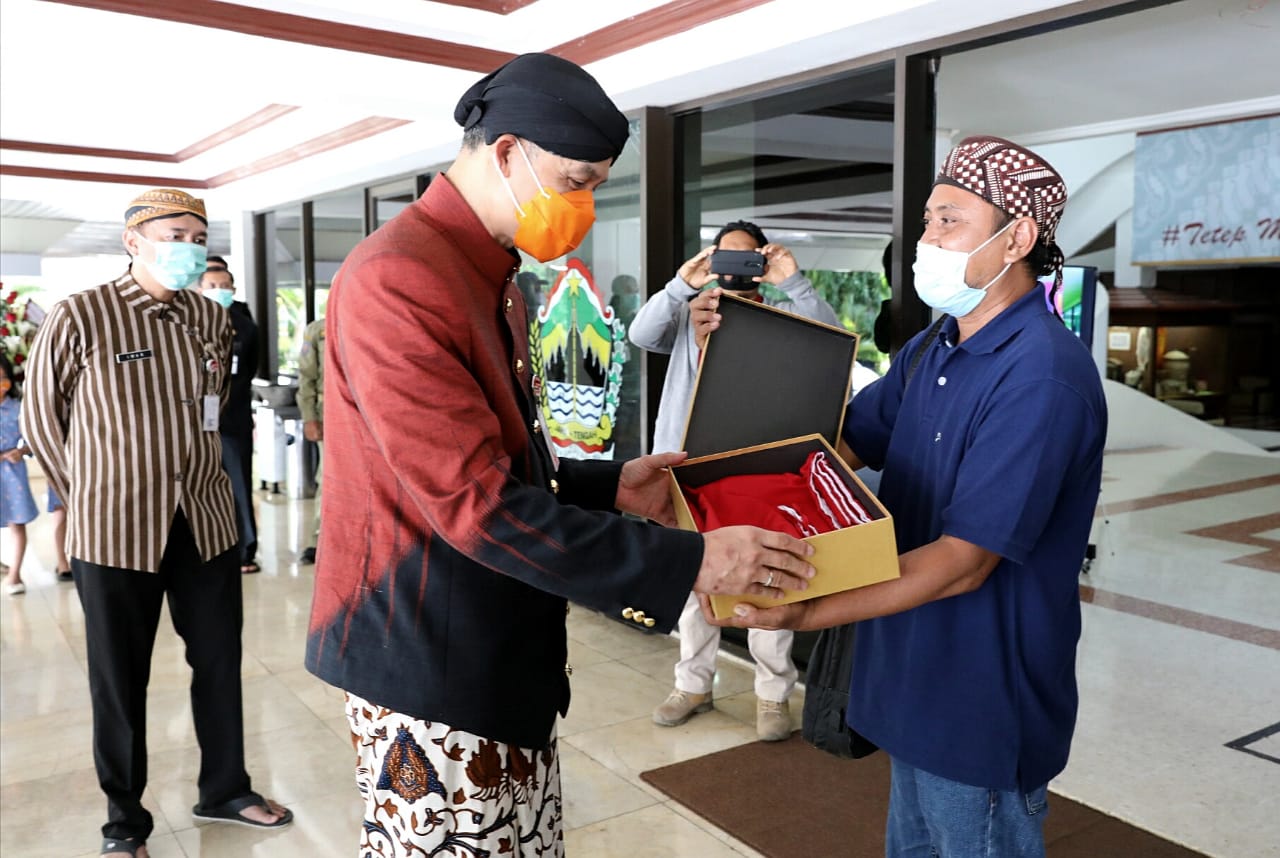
x=237, y=460
x=121, y=615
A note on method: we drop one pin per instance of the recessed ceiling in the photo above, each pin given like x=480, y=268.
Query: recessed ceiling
x=258, y=103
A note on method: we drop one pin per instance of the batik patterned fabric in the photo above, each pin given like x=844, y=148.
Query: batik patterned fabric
x=432, y=790
x=1011, y=178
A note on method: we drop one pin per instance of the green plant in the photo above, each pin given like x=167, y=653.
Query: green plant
x=856, y=297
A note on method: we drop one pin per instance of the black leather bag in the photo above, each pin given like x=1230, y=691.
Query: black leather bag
x=826, y=696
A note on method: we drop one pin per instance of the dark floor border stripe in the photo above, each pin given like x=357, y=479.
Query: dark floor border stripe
x=1220, y=626
x=1202, y=493
x=1243, y=743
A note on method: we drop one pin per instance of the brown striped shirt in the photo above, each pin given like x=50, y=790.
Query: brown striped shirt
x=113, y=412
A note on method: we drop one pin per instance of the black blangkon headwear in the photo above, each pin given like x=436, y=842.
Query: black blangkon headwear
x=548, y=101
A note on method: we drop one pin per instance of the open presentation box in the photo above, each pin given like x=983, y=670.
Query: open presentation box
x=771, y=390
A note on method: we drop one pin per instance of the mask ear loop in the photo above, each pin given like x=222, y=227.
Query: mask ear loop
x=507, y=184
x=541, y=188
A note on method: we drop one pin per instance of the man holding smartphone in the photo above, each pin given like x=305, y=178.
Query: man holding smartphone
x=676, y=321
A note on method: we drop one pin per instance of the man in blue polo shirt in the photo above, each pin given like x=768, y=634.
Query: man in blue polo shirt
x=991, y=450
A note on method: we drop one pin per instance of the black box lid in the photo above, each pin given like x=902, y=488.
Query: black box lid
x=768, y=375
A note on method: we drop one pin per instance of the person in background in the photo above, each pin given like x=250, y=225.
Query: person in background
x=455, y=538
x=59, y=512
x=236, y=424
x=676, y=321
x=990, y=438
x=124, y=390
x=882, y=333
x=625, y=301
x=531, y=289
x=17, y=506
x=311, y=404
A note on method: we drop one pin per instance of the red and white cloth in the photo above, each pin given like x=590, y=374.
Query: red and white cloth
x=811, y=502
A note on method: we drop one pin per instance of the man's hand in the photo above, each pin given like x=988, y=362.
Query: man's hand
x=703, y=315
x=697, y=271
x=313, y=430
x=738, y=560
x=780, y=264
x=14, y=455
x=793, y=616
x=643, y=487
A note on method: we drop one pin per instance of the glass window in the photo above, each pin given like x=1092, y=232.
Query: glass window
x=579, y=308
x=285, y=283
x=814, y=170
x=389, y=199
x=338, y=225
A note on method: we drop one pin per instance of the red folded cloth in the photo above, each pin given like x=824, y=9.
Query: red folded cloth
x=813, y=501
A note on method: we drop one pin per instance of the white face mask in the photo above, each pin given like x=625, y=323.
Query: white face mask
x=939, y=276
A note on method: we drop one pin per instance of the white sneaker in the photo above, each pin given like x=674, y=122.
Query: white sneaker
x=773, y=720
x=16, y=589
x=679, y=707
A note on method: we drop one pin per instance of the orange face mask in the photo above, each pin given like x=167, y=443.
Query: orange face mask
x=552, y=223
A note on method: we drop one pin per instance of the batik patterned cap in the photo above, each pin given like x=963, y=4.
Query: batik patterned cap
x=1013, y=179
x=162, y=202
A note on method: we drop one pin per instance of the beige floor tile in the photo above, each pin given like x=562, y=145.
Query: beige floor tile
x=163, y=846
x=37, y=748
x=323, y=827
x=611, y=637
x=60, y=815
x=718, y=833
x=609, y=693
x=732, y=677
x=651, y=832
x=592, y=793
x=288, y=765
x=639, y=745
x=35, y=692
x=320, y=697
x=581, y=655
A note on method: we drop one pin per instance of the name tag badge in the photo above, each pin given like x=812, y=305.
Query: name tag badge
x=130, y=357
x=235, y=364
x=210, y=423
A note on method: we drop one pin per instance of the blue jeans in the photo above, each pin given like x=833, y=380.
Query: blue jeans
x=932, y=817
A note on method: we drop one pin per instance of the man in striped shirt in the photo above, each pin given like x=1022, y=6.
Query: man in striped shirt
x=125, y=386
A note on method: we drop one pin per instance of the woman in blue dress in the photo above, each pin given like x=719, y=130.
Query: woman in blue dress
x=17, y=506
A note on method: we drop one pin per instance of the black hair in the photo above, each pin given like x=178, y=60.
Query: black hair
x=742, y=226
x=1043, y=258
x=216, y=260
x=226, y=271
x=7, y=365
x=474, y=138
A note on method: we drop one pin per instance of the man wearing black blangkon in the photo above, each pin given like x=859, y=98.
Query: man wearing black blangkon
x=440, y=599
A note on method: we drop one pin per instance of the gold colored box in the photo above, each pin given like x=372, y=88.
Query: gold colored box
x=771, y=390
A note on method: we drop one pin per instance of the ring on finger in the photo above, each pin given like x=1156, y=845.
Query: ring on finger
x=769, y=581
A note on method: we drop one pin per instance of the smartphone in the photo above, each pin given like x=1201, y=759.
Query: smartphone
x=738, y=263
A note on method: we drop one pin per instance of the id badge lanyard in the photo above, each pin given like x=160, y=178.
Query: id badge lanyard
x=211, y=402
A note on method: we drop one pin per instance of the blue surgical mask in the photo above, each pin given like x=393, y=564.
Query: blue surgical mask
x=939, y=277
x=225, y=297
x=177, y=265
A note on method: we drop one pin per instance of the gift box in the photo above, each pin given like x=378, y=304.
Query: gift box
x=771, y=392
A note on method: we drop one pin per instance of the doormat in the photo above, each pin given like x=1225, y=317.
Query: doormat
x=790, y=800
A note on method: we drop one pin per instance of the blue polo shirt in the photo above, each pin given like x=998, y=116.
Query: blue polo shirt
x=997, y=441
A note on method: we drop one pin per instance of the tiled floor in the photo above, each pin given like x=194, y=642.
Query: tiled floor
x=1180, y=656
